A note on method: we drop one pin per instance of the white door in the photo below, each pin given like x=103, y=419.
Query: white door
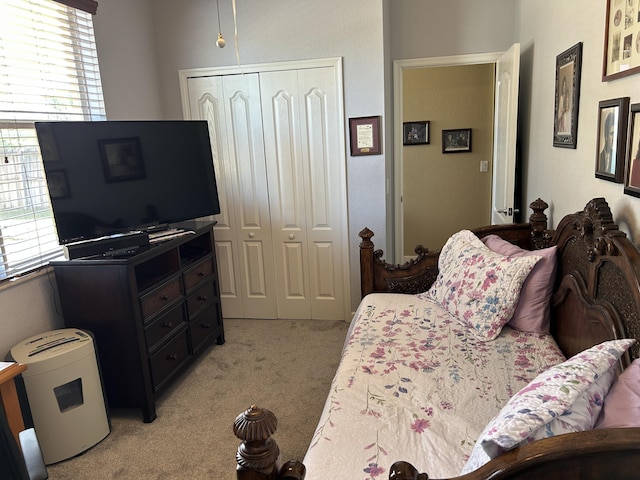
x=505, y=131
x=231, y=105
x=302, y=135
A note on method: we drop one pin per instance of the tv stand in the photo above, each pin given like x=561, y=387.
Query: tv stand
x=152, y=312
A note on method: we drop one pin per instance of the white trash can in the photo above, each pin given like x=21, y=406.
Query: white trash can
x=64, y=390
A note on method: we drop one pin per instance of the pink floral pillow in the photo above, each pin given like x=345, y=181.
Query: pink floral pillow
x=622, y=404
x=533, y=313
x=566, y=398
x=477, y=286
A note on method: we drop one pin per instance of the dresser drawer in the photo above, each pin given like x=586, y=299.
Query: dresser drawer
x=205, y=326
x=201, y=299
x=196, y=274
x=154, y=301
x=164, y=325
x=169, y=358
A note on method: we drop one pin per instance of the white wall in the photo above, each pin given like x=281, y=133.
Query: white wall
x=562, y=177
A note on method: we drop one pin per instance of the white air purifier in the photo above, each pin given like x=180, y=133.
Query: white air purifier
x=64, y=390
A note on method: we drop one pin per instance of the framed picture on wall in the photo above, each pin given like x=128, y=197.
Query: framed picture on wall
x=621, y=40
x=456, y=141
x=612, y=137
x=565, y=123
x=415, y=133
x=632, y=165
x=365, y=136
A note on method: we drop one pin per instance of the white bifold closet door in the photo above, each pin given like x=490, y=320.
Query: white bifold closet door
x=279, y=159
x=231, y=106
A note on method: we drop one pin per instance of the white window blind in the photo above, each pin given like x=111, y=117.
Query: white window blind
x=48, y=71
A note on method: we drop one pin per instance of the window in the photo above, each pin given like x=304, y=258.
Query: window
x=48, y=71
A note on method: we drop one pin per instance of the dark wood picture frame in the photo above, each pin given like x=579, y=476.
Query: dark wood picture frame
x=364, y=133
x=621, y=40
x=612, y=139
x=632, y=164
x=121, y=159
x=456, y=141
x=567, y=99
x=415, y=133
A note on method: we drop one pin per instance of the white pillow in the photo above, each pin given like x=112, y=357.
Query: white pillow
x=479, y=287
x=565, y=398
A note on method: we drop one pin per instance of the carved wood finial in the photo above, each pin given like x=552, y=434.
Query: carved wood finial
x=538, y=219
x=597, y=228
x=258, y=454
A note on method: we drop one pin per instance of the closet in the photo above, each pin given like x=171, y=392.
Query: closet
x=277, y=137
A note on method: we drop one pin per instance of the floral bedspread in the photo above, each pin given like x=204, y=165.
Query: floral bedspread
x=414, y=385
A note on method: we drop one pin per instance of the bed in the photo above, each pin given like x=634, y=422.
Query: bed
x=430, y=381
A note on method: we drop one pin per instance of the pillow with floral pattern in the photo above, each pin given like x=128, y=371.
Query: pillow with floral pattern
x=477, y=286
x=565, y=398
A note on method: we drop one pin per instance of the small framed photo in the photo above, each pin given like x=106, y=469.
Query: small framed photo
x=415, y=133
x=632, y=173
x=456, y=141
x=121, y=159
x=57, y=184
x=365, y=136
x=621, y=40
x=565, y=124
x=612, y=138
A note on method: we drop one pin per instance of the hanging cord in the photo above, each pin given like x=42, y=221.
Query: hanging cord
x=235, y=28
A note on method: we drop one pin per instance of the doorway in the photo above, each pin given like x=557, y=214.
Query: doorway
x=503, y=126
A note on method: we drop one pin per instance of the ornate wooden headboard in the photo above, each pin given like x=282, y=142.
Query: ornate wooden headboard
x=597, y=278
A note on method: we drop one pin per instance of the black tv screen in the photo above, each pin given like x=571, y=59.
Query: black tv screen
x=112, y=177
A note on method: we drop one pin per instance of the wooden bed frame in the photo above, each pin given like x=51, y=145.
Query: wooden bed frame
x=596, y=298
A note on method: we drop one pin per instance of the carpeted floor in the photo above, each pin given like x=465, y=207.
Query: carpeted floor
x=283, y=365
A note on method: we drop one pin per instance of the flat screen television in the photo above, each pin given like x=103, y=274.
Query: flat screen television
x=116, y=177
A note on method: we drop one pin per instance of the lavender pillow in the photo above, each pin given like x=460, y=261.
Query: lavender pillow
x=533, y=309
x=622, y=404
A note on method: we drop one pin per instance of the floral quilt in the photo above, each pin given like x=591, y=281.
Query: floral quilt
x=414, y=384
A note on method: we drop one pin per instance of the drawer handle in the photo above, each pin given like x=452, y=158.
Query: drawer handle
x=205, y=325
x=173, y=356
x=168, y=325
x=164, y=297
x=202, y=298
x=201, y=274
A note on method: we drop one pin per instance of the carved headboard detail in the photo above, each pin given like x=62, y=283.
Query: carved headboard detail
x=599, y=259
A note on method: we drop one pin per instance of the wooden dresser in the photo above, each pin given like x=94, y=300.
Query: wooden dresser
x=151, y=311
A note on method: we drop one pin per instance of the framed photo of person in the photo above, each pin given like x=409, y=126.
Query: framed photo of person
x=612, y=139
x=632, y=169
x=415, y=133
x=565, y=123
x=456, y=141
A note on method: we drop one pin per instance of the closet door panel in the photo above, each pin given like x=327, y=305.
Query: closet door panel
x=324, y=204
x=286, y=179
x=231, y=106
x=243, y=117
x=206, y=102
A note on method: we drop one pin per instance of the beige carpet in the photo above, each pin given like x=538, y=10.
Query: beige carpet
x=285, y=366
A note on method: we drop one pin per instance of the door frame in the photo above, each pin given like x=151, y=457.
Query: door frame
x=336, y=64
x=399, y=66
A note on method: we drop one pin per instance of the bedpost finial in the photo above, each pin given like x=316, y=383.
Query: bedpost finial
x=258, y=451
x=255, y=424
